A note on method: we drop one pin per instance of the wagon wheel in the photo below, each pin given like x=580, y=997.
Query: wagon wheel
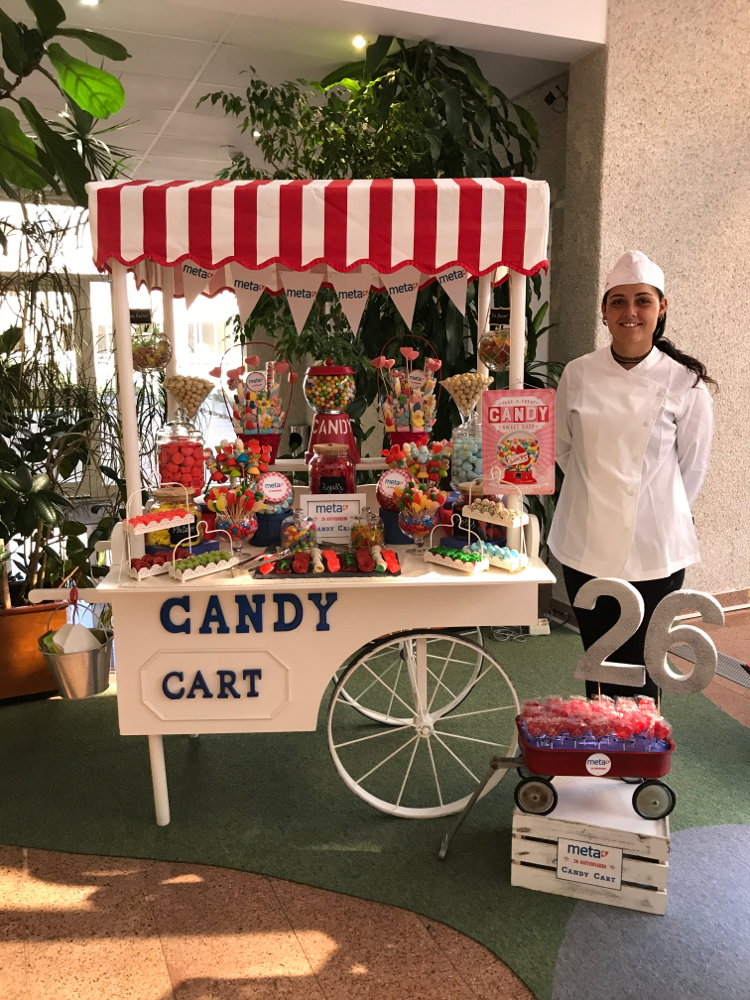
x=473, y=633
x=437, y=708
x=653, y=799
x=535, y=795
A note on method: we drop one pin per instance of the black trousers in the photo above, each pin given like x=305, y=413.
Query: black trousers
x=593, y=624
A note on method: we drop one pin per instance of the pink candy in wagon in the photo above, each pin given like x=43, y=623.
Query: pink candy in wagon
x=598, y=719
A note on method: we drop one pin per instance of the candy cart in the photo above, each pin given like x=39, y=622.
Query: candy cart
x=418, y=704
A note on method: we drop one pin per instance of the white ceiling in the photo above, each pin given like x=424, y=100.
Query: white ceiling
x=182, y=50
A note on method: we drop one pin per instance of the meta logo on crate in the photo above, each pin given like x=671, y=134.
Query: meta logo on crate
x=212, y=615
x=595, y=864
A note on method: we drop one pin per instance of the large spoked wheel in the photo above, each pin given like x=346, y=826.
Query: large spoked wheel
x=535, y=795
x=653, y=799
x=365, y=705
x=437, y=707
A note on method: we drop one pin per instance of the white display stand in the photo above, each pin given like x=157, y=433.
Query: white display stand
x=266, y=649
x=598, y=811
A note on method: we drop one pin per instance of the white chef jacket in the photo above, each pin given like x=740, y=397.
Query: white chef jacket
x=634, y=446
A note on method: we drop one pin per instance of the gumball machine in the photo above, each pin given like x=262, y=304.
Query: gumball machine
x=179, y=444
x=518, y=453
x=329, y=389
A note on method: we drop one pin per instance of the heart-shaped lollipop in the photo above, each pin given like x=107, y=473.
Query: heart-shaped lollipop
x=409, y=353
x=235, y=373
x=433, y=364
x=216, y=372
x=379, y=362
x=389, y=364
x=293, y=376
x=252, y=361
x=281, y=366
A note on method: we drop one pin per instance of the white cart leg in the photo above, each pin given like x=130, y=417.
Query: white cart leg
x=159, y=779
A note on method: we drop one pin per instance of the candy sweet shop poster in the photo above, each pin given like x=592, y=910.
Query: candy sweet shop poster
x=518, y=438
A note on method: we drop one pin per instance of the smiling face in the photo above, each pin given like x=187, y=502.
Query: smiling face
x=632, y=312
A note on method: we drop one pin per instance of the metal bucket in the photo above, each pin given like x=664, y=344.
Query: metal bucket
x=81, y=675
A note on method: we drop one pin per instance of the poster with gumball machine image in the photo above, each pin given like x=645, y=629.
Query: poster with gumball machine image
x=518, y=439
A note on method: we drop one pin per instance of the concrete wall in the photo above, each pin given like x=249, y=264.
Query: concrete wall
x=658, y=135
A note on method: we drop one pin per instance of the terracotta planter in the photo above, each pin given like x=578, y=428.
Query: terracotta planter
x=23, y=670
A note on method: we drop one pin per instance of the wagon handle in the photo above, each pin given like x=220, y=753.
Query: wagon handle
x=496, y=763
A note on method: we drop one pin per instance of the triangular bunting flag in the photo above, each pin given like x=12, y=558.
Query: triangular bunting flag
x=194, y=280
x=402, y=286
x=353, y=290
x=301, y=287
x=248, y=286
x=453, y=281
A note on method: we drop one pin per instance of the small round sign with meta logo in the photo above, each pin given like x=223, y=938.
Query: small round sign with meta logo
x=598, y=764
x=274, y=487
x=256, y=381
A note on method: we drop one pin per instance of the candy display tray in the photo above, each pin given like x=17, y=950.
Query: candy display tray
x=625, y=763
x=471, y=568
x=507, y=519
x=184, y=576
x=326, y=574
x=163, y=525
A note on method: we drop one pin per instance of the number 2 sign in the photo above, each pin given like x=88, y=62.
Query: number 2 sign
x=662, y=634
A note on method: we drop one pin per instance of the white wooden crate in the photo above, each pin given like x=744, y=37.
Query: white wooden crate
x=599, y=811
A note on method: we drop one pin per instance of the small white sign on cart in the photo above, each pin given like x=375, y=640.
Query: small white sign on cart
x=333, y=514
x=593, y=864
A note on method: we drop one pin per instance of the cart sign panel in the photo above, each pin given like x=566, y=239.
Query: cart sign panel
x=208, y=684
x=518, y=439
x=333, y=514
x=594, y=864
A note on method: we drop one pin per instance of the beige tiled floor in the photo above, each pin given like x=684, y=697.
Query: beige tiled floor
x=74, y=927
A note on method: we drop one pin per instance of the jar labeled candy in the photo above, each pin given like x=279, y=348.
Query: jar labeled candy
x=367, y=530
x=173, y=498
x=332, y=469
x=329, y=388
x=298, y=532
x=179, y=451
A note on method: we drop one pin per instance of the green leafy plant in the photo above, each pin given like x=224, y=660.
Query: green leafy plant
x=42, y=154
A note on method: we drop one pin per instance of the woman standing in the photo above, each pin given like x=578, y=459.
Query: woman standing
x=634, y=426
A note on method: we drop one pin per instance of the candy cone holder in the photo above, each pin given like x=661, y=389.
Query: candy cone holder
x=189, y=392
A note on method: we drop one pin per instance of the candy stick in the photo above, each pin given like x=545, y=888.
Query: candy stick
x=332, y=560
x=380, y=563
x=317, y=561
x=391, y=560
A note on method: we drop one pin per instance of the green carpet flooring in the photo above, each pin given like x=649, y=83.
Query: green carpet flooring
x=274, y=804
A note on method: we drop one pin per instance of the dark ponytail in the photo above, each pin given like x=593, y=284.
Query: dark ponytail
x=667, y=347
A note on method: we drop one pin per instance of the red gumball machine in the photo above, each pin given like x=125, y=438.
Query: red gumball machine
x=518, y=453
x=329, y=389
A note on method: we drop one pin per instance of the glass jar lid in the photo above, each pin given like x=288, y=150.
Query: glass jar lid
x=330, y=369
x=331, y=448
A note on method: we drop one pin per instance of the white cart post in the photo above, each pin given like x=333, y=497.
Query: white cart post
x=515, y=373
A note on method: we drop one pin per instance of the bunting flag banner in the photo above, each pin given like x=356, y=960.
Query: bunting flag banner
x=194, y=279
x=353, y=291
x=301, y=287
x=453, y=281
x=402, y=288
x=248, y=286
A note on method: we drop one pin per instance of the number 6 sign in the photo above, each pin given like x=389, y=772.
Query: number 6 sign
x=662, y=634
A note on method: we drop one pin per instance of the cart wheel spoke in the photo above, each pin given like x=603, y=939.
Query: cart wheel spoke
x=452, y=696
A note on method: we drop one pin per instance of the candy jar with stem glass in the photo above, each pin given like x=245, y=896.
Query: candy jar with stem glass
x=418, y=512
x=179, y=444
x=466, y=460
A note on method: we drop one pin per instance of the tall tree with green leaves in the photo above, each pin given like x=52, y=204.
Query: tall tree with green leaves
x=36, y=154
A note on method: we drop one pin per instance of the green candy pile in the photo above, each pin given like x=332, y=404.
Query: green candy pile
x=192, y=562
x=456, y=554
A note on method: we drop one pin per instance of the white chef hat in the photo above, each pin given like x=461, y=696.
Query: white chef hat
x=634, y=268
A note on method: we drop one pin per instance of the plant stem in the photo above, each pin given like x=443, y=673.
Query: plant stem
x=4, y=587
x=31, y=576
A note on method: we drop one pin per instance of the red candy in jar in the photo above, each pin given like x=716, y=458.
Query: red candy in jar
x=332, y=470
x=179, y=449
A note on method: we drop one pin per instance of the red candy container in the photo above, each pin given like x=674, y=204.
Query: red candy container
x=179, y=450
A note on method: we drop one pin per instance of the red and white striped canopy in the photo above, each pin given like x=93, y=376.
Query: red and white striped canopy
x=478, y=223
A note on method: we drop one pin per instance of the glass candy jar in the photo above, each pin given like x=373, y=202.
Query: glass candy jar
x=152, y=351
x=298, y=532
x=494, y=349
x=179, y=454
x=174, y=498
x=329, y=388
x=367, y=530
x=466, y=458
x=332, y=469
